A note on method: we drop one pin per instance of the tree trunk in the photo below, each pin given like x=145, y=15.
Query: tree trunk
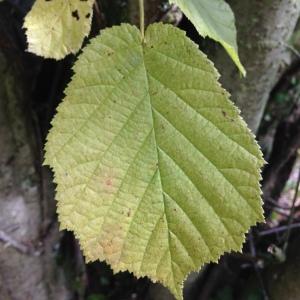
x=264, y=30
x=28, y=236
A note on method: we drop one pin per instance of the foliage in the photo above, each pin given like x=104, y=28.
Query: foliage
x=156, y=172
x=213, y=18
x=56, y=28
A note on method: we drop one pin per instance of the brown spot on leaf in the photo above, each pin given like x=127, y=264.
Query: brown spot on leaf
x=75, y=15
x=108, y=182
x=111, y=242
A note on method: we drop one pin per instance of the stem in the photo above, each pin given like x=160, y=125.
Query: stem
x=292, y=213
x=255, y=266
x=278, y=229
x=142, y=18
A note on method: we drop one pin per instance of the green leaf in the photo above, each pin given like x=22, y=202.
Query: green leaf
x=213, y=18
x=156, y=171
x=56, y=28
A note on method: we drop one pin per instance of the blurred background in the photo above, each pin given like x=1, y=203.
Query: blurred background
x=37, y=262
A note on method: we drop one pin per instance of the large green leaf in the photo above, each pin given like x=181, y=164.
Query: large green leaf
x=213, y=18
x=56, y=28
x=156, y=171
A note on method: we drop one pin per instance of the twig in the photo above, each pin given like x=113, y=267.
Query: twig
x=10, y=242
x=291, y=217
x=276, y=204
x=277, y=210
x=246, y=257
x=278, y=229
x=256, y=268
x=292, y=49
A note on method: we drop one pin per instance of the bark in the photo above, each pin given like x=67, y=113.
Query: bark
x=264, y=29
x=28, y=236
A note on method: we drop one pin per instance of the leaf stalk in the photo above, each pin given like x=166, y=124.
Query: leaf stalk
x=142, y=18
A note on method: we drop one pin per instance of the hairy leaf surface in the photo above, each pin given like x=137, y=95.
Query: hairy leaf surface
x=56, y=28
x=156, y=171
x=213, y=18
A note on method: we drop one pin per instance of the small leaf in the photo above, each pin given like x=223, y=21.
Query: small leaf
x=156, y=171
x=57, y=28
x=213, y=18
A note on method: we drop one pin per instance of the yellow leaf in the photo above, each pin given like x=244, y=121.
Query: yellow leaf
x=57, y=28
x=156, y=171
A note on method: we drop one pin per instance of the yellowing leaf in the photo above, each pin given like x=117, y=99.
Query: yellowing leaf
x=156, y=171
x=56, y=28
x=213, y=18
